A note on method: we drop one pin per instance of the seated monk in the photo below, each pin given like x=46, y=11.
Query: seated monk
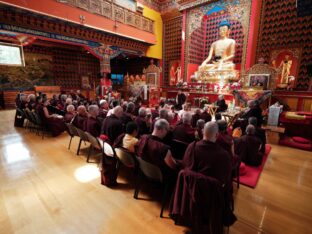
x=184, y=131
x=222, y=106
x=52, y=121
x=153, y=150
x=221, y=52
x=103, y=109
x=70, y=113
x=199, y=129
x=128, y=140
x=247, y=147
x=143, y=121
x=81, y=117
x=205, y=115
x=253, y=110
x=260, y=133
x=207, y=157
x=196, y=117
x=225, y=140
x=127, y=115
x=92, y=125
x=112, y=126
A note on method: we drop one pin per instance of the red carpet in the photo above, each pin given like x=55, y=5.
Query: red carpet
x=251, y=177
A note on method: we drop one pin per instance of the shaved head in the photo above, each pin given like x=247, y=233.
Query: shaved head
x=211, y=131
x=118, y=111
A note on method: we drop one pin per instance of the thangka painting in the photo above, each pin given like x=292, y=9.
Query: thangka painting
x=37, y=71
x=174, y=72
x=286, y=61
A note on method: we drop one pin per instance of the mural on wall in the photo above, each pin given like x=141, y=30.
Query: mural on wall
x=37, y=71
x=203, y=29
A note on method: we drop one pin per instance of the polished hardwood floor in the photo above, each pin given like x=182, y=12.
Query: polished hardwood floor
x=46, y=188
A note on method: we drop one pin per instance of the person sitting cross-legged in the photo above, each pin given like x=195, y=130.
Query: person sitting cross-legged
x=247, y=147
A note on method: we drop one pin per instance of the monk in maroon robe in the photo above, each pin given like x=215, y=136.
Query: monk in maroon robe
x=205, y=115
x=260, y=133
x=196, y=117
x=152, y=149
x=112, y=126
x=248, y=147
x=81, y=117
x=70, y=114
x=184, y=131
x=207, y=157
x=143, y=122
x=92, y=125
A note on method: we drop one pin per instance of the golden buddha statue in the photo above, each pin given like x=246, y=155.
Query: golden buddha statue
x=221, y=51
x=219, y=66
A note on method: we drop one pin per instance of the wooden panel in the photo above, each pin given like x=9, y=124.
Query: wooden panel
x=9, y=97
x=307, y=105
x=48, y=90
x=292, y=103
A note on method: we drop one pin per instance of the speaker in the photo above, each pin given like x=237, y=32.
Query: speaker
x=309, y=69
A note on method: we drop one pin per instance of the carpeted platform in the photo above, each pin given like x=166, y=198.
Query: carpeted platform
x=251, y=176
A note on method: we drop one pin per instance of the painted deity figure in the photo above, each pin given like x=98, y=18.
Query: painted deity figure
x=285, y=66
x=221, y=52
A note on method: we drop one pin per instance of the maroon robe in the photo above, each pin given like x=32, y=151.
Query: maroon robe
x=247, y=148
x=69, y=117
x=79, y=121
x=209, y=159
x=195, y=117
x=151, y=149
x=184, y=132
x=142, y=126
x=93, y=126
x=205, y=116
x=55, y=125
x=111, y=127
x=193, y=207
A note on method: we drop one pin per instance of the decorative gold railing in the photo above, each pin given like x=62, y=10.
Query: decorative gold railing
x=108, y=9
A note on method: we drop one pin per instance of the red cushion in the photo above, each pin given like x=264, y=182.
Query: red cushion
x=301, y=140
x=304, y=113
x=242, y=169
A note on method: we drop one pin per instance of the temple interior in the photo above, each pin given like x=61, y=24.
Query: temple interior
x=155, y=116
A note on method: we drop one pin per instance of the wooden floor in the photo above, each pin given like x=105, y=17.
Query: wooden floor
x=46, y=188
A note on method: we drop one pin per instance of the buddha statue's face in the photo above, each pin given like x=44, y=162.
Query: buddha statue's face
x=224, y=31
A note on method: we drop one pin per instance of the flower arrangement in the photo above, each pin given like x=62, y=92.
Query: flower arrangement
x=203, y=101
x=235, y=86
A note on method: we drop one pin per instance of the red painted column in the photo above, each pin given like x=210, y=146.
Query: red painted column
x=254, y=26
x=183, y=43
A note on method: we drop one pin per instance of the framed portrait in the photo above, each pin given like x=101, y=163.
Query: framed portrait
x=259, y=81
x=85, y=82
x=151, y=79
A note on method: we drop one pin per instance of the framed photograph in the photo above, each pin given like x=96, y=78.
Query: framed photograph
x=85, y=82
x=258, y=81
x=151, y=78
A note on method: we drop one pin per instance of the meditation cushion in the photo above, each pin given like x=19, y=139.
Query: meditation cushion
x=293, y=115
x=301, y=140
x=288, y=141
x=242, y=169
